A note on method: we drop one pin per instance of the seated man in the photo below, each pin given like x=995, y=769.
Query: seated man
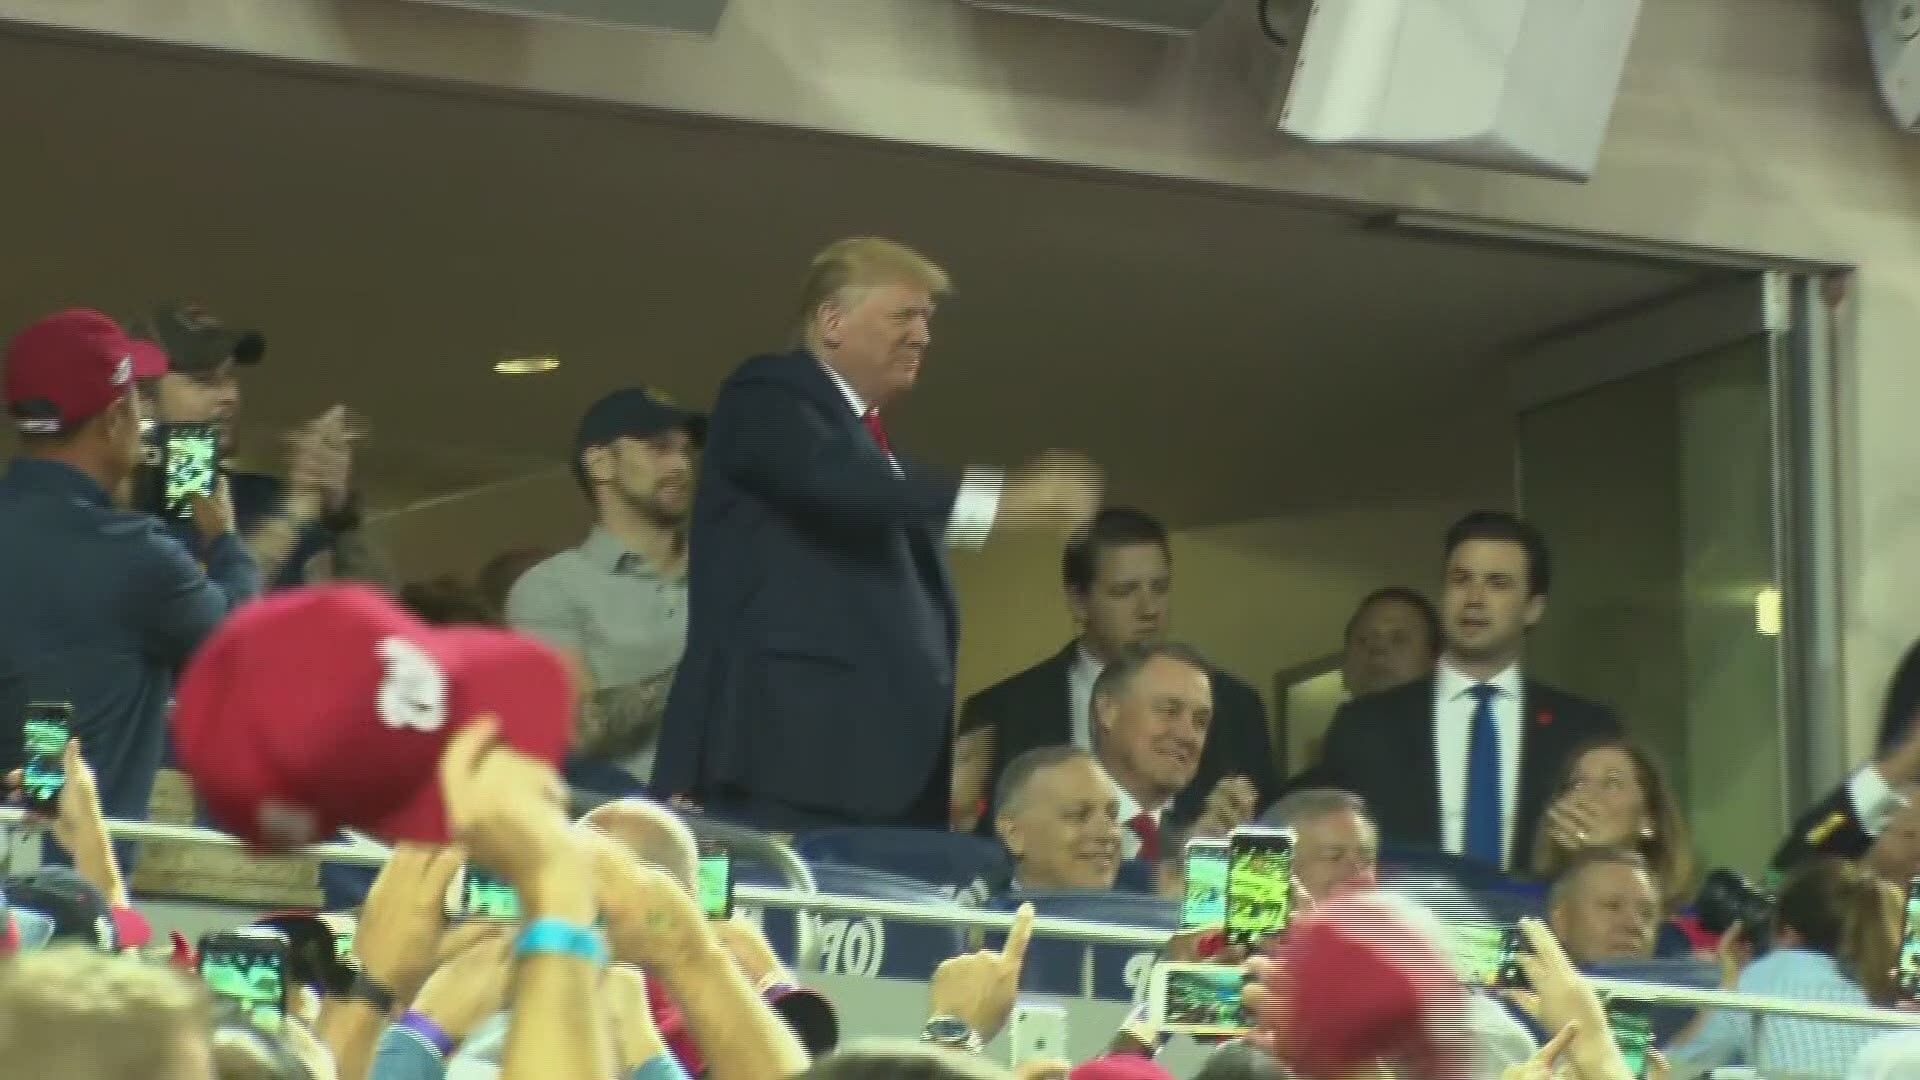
x=1119, y=585
x=1336, y=846
x=1060, y=819
x=1605, y=908
x=1871, y=817
x=1152, y=709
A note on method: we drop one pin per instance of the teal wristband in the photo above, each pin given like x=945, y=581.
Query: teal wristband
x=556, y=937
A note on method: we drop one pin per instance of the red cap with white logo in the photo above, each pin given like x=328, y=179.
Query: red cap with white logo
x=315, y=709
x=67, y=369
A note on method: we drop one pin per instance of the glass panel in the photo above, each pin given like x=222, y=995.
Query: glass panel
x=1657, y=492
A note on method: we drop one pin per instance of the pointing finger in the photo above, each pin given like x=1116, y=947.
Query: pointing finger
x=1015, y=953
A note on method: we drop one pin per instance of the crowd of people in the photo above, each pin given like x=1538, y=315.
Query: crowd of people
x=759, y=628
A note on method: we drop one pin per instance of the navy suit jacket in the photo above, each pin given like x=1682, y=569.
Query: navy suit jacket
x=1381, y=747
x=808, y=680
x=1031, y=709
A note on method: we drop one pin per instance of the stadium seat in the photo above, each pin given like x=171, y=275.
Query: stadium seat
x=1425, y=864
x=961, y=864
x=1501, y=901
x=1120, y=972
x=860, y=945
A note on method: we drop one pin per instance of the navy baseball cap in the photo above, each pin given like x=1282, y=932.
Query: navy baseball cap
x=75, y=908
x=195, y=342
x=635, y=413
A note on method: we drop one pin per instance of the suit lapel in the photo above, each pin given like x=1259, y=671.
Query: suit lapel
x=923, y=545
x=1424, y=779
x=1059, y=687
x=1537, y=740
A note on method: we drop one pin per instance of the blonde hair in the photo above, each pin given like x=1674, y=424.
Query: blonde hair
x=73, y=1012
x=863, y=262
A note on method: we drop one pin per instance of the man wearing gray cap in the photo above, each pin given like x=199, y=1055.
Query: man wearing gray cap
x=617, y=604
x=294, y=528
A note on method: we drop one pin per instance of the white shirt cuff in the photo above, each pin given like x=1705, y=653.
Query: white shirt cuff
x=1874, y=801
x=974, y=509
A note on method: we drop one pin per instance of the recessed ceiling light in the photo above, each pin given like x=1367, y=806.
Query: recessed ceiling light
x=526, y=365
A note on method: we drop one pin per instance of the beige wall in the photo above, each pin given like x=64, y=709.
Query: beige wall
x=1743, y=124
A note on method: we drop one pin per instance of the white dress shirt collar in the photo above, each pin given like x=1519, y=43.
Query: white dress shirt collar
x=854, y=401
x=1454, y=683
x=1082, y=672
x=1130, y=808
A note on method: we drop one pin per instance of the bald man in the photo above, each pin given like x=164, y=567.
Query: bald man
x=653, y=833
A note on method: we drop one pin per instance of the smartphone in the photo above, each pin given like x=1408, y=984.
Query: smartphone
x=716, y=881
x=1508, y=974
x=1907, y=971
x=1197, y=999
x=43, y=772
x=248, y=967
x=1037, y=1033
x=1259, y=885
x=189, y=466
x=1206, y=896
x=484, y=896
x=1478, y=952
x=1632, y=1025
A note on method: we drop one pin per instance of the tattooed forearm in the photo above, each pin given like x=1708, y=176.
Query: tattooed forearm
x=619, y=720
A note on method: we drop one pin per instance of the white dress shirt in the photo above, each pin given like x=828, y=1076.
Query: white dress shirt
x=1453, y=705
x=1875, y=801
x=1081, y=676
x=1130, y=809
x=978, y=502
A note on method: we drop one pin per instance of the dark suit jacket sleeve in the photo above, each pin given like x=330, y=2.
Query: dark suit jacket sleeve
x=975, y=713
x=1832, y=829
x=787, y=451
x=1341, y=756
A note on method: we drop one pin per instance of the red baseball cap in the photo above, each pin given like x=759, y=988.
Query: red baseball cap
x=67, y=369
x=315, y=709
x=149, y=360
x=1373, y=984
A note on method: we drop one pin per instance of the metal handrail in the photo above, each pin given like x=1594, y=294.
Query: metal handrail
x=808, y=938
x=955, y=915
x=358, y=851
x=807, y=899
x=1661, y=994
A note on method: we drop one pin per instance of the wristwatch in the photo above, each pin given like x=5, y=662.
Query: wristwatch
x=952, y=1033
x=369, y=991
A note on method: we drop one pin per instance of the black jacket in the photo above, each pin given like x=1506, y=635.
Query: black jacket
x=1381, y=747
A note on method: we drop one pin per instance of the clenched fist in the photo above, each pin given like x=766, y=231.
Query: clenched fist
x=1060, y=489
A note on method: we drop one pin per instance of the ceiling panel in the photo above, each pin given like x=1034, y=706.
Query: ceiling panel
x=1224, y=356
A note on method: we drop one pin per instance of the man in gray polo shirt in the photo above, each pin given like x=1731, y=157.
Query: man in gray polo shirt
x=617, y=604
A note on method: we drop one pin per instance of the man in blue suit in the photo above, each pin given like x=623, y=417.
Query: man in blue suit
x=817, y=685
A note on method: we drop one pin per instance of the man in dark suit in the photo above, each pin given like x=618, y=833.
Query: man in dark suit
x=1119, y=587
x=817, y=684
x=1872, y=816
x=1466, y=761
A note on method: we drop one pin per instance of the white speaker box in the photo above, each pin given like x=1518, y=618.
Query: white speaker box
x=1515, y=85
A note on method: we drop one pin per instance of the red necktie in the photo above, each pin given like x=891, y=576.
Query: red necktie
x=1148, y=830
x=878, y=430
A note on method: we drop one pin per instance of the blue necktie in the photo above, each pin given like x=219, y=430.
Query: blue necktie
x=1483, y=780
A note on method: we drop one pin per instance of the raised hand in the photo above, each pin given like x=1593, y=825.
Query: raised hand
x=980, y=987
